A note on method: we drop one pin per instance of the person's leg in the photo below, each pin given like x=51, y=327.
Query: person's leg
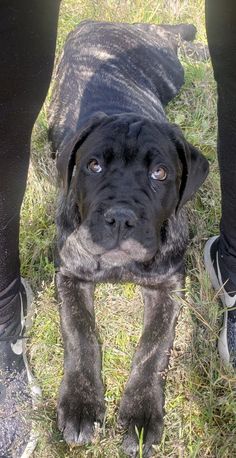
x=221, y=252
x=27, y=47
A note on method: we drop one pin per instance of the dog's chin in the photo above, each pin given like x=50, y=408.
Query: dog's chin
x=115, y=258
x=118, y=257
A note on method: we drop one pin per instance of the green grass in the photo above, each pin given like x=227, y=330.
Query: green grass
x=200, y=394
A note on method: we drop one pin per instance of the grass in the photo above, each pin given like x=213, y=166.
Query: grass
x=200, y=394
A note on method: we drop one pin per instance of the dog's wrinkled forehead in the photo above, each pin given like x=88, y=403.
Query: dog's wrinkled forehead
x=135, y=139
x=129, y=141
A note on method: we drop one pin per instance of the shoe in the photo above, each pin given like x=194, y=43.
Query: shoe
x=19, y=393
x=227, y=293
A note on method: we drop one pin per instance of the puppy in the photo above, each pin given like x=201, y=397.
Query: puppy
x=125, y=175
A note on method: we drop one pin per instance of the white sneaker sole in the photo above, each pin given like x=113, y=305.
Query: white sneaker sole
x=222, y=340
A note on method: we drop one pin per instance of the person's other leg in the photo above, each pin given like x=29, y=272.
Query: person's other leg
x=220, y=253
x=27, y=47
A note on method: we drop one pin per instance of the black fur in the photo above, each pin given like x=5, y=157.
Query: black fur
x=117, y=222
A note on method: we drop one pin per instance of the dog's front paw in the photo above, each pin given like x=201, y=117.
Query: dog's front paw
x=79, y=411
x=142, y=420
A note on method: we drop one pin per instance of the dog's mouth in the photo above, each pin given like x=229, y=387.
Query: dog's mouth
x=124, y=253
x=115, y=251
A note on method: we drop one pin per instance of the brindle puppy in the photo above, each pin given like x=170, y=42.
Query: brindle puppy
x=126, y=173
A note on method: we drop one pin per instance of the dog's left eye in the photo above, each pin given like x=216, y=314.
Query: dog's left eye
x=94, y=166
x=158, y=173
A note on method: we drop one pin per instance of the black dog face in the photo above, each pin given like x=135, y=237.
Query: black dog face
x=131, y=174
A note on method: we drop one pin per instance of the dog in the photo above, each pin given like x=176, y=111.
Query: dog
x=125, y=175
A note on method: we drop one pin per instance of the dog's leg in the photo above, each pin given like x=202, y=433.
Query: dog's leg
x=81, y=400
x=142, y=405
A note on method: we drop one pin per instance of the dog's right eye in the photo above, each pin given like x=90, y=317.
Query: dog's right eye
x=94, y=166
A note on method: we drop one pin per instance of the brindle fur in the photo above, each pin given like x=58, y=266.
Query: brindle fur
x=112, y=83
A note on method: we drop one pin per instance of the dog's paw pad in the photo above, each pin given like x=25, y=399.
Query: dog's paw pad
x=143, y=429
x=70, y=432
x=77, y=432
x=78, y=423
x=130, y=445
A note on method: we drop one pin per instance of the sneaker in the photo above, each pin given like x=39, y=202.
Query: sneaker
x=227, y=294
x=19, y=393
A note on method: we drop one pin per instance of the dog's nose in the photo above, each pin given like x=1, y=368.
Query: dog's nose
x=120, y=218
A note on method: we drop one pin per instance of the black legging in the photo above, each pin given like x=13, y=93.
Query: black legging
x=27, y=46
x=221, y=32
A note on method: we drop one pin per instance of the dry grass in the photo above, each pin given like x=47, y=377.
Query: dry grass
x=200, y=396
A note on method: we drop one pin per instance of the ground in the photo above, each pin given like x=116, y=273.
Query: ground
x=200, y=394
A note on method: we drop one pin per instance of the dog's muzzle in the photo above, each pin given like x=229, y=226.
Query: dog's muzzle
x=117, y=235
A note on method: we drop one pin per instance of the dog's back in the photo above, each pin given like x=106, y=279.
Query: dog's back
x=114, y=67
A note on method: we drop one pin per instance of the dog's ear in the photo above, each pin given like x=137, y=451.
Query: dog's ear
x=195, y=167
x=67, y=156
